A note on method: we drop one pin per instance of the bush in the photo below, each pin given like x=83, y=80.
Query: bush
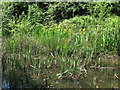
x=14, y=13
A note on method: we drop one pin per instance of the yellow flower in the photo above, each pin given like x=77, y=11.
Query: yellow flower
x=58, y=27
x=65, y=30
x=82, y=29
x=58, y=30
x=50, y=28
x=43, y=28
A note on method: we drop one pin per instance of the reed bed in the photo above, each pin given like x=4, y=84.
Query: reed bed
x=70, y=46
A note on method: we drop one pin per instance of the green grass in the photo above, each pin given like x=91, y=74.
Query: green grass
x=66, y=46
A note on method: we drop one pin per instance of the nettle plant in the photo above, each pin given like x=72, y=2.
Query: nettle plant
x=35, y=14
x=100, y=10
x=19, y=26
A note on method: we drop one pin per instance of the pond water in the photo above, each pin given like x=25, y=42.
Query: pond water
x=92, y=78
x=5, y=84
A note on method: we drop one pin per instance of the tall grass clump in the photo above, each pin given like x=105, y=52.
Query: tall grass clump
x=32, y=48
x=76, y=40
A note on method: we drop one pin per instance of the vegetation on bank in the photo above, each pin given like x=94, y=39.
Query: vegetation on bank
x=67, y=37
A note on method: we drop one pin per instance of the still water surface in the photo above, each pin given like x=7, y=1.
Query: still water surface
x=92, y=78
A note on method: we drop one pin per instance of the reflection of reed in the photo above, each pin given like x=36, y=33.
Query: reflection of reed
x=117, y=77
x=95, y=82
x=0, y=62
x=93, y=67
x=119, y=51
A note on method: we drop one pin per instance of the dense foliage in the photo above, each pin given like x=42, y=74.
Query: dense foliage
x=47, y=13
x=66, y=36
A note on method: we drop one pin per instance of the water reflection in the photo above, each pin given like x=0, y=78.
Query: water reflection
x=95, y=78
x=5, y=85
x=92, y=78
